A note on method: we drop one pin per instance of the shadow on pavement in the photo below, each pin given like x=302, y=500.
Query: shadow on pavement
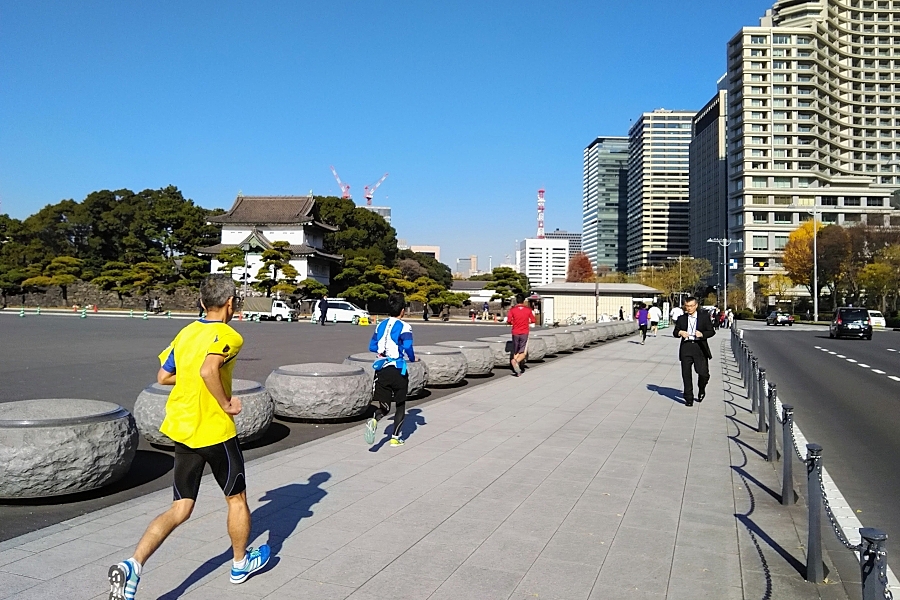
x=667, y=392
x=413, y=420
x=286, y=507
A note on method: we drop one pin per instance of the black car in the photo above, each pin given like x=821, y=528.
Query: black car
x=779, y=318
x=851, y=322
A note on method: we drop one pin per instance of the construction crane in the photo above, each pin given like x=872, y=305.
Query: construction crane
x=345, y=189
x=370, y=189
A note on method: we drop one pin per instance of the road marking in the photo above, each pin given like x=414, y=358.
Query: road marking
x=832, y=353
x=880, y=372
x=851, y=360
x=894, y=377
x=891, y=350
x=863, y=365
x=818, y=347
x=841, y=356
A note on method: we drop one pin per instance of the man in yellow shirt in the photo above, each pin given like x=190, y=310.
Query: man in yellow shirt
x=200, y=420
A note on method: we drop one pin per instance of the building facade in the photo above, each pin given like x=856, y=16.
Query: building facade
x=709, y=184
x=658, y=187
x=604, y=203
x=543, y=261
x=574, y=240
x=813, y=123
x=384, y=211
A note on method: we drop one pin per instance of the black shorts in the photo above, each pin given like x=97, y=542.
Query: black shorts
x=519, y=342
x=654, y=323
x=225, y=461
x=390, y=386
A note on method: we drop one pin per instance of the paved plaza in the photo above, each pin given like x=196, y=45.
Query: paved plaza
x=584, y=478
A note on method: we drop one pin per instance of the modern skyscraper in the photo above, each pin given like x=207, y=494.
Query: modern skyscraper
x=574, y=240
x=709, y=183
x=658, y=163
x=543, y=260
x=604, y=202
x=813, y=96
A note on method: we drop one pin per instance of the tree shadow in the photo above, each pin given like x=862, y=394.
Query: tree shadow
x=284, y=509
x=667, y=392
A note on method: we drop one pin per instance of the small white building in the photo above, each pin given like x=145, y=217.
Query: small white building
x=595, y=301
x=254, y=223
x=543, y=261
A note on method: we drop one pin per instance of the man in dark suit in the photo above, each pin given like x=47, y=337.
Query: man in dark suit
x=694, y=328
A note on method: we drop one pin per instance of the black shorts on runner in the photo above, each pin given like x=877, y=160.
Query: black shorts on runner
x=225, y=461
x=654, y=323
x=519, y=342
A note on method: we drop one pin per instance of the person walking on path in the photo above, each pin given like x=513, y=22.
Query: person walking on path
x=392, y=341
x=675, y=313
x=521, y=318
x=200, y=420
x=323, y=309
x=643, y=319
x=655, y=315
x=621, y=313
x=694, y=328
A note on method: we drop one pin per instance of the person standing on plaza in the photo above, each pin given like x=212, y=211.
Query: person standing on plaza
x=643, y=319
x=621, y=313
x=323, y=309
x=655, y=315
x=521, y=318
x=694, y=328
x=392, y=341
x=200, y=420
x=485, y=311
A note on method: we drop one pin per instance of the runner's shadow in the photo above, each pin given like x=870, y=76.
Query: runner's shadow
x=284, y=509
x=670, y=393
x=411, y=422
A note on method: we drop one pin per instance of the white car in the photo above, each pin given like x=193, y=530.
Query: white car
x=877, y=319
x=341, y=311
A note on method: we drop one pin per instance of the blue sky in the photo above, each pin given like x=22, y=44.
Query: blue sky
x=470, y=106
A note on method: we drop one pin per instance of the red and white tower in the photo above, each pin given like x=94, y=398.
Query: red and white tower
x=540, y=231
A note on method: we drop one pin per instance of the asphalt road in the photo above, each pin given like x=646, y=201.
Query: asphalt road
x=846, y=397
x=113, y=359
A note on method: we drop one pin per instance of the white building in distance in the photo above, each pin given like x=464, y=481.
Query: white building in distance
x=544, y=261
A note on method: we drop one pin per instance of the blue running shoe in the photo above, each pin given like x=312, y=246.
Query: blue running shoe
x=256, y=560
x=123, y=581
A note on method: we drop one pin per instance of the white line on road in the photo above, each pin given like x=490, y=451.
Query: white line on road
x=851, y=360
x=818, y=347
x=891, y=350
x=863, y=365
x=841, y=356
x=894, y=377
x=832, y=353
x=880, y=372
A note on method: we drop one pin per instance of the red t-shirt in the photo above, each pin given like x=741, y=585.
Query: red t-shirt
x=520, y=316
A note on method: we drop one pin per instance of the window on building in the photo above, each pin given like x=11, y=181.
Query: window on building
x=804, y=182
x=784, y=218
x=780, y=242
x=758, y=39
x=781, y=140
x=875, y=201
x=781, y=39
x=760, y=217
x=781, y=153
x=782, y=182
x=829, y=217
x=829, y=201
x=760, y=242
x=783, y=200
x=757, y=199
x=851, y=201
x=759, y=182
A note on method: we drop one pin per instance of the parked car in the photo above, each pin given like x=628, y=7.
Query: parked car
x=341, y=311
x=779, y=318
x=849, y=321
x=268, y=309
x=877, y=319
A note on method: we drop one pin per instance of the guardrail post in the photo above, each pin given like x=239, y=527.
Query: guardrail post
x=772, y=449
x=815, y=570
x=754, y=382
x=761, y=387
x=787, y=465
x=873, y=563
x=740, y=357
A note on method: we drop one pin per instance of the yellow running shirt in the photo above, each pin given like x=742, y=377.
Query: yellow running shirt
x=193, y=415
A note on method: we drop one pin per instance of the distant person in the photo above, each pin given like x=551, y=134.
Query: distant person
x=621, y=313
x=323, y=309
x=445, y=312
x=675, y=313
x=485, y=312
x=521, y=318
x=199, y=308
x=199, y=418
x=425, y=312
x=392, y=341
x=147, y=303
x=156, y=305
x=655, y=314
x=694, y=328
x=643, y=319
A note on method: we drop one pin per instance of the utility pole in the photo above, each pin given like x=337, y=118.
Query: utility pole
x=725, y=243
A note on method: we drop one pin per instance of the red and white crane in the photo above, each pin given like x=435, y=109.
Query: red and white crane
x=345, y=189
x=370, y=189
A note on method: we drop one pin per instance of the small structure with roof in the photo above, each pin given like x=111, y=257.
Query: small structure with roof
x=594, y=301
x=255, y=223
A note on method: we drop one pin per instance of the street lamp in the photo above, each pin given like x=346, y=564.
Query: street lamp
x=679, y=258
x=724, y=242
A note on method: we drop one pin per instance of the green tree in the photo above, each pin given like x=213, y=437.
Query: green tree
x=434, y=268
x=275, y=260
x=310, y=288
x=61, y=271
x=115, y=276
x=231, y=258
x=877, y=279
x=362, y=233
x=506, y=283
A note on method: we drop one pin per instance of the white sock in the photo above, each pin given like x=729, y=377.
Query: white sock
x=240, y=564
x=135, y=565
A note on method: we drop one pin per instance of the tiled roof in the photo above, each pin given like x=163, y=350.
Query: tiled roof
x=268, y=209
x=296, y=249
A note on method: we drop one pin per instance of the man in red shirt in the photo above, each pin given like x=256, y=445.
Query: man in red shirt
x=520, y=317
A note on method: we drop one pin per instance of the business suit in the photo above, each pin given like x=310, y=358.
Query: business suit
x=694, y=353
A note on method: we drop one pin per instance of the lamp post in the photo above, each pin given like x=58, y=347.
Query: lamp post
x=679, y=258
x=724, y=242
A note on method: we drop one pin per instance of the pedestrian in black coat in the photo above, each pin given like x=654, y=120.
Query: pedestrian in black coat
x=694, y=328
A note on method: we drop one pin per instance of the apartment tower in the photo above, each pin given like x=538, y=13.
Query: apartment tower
x=657, y=208
x=604, y=203
x=813, y=123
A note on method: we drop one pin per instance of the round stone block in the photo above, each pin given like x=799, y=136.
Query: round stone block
x=565, y=340
x=619, y=328
x=497, y=344
x=319, y=391
x=446, y=366
x=580, y=337
x=50, y=447
x=479, y=356
x=257, y=411
x=416, y=371
x=536, y=348
x=605, y=330
x=549, y=341
x=589, y=336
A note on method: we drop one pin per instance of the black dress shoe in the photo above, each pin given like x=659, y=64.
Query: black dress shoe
x=701, y=396
x=689, y=402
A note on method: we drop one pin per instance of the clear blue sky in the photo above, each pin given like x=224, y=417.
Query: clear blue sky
x=471, y=106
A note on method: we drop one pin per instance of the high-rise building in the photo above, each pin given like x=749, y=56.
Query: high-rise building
x=543, y=260
x=384, y=211
x=658, y=146
x=604, y=202
x=709, y=183
x=574, y=240
x=813, y=95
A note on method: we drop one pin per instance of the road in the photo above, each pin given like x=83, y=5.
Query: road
x=846, y=395
x=113, y=359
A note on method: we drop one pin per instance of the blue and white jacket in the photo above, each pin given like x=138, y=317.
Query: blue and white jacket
x=392, y=341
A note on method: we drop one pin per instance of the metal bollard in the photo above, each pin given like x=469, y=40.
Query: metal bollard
x=761, y=387
x=772, y=449
x=873, y=564
x=787, y=465
x=815, y=570
x=749, y=370
x=754, y=384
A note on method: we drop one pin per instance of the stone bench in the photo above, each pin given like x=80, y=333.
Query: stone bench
x=536, y=348
x=416, y=371
x=257, y=410
x=479, y=356
x=498, y=346
x=549, y=341
x=565, y=340
x=606, y=331
x=50, y=447
x=446, y=366
x=320, y=391
x=579, y=336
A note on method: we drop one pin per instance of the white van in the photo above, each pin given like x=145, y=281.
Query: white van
x=877, y=319
x=340, y=310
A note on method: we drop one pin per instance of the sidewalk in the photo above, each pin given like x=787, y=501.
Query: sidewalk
x=584, y=478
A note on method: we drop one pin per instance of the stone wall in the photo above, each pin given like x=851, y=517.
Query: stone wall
x=84, y=294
